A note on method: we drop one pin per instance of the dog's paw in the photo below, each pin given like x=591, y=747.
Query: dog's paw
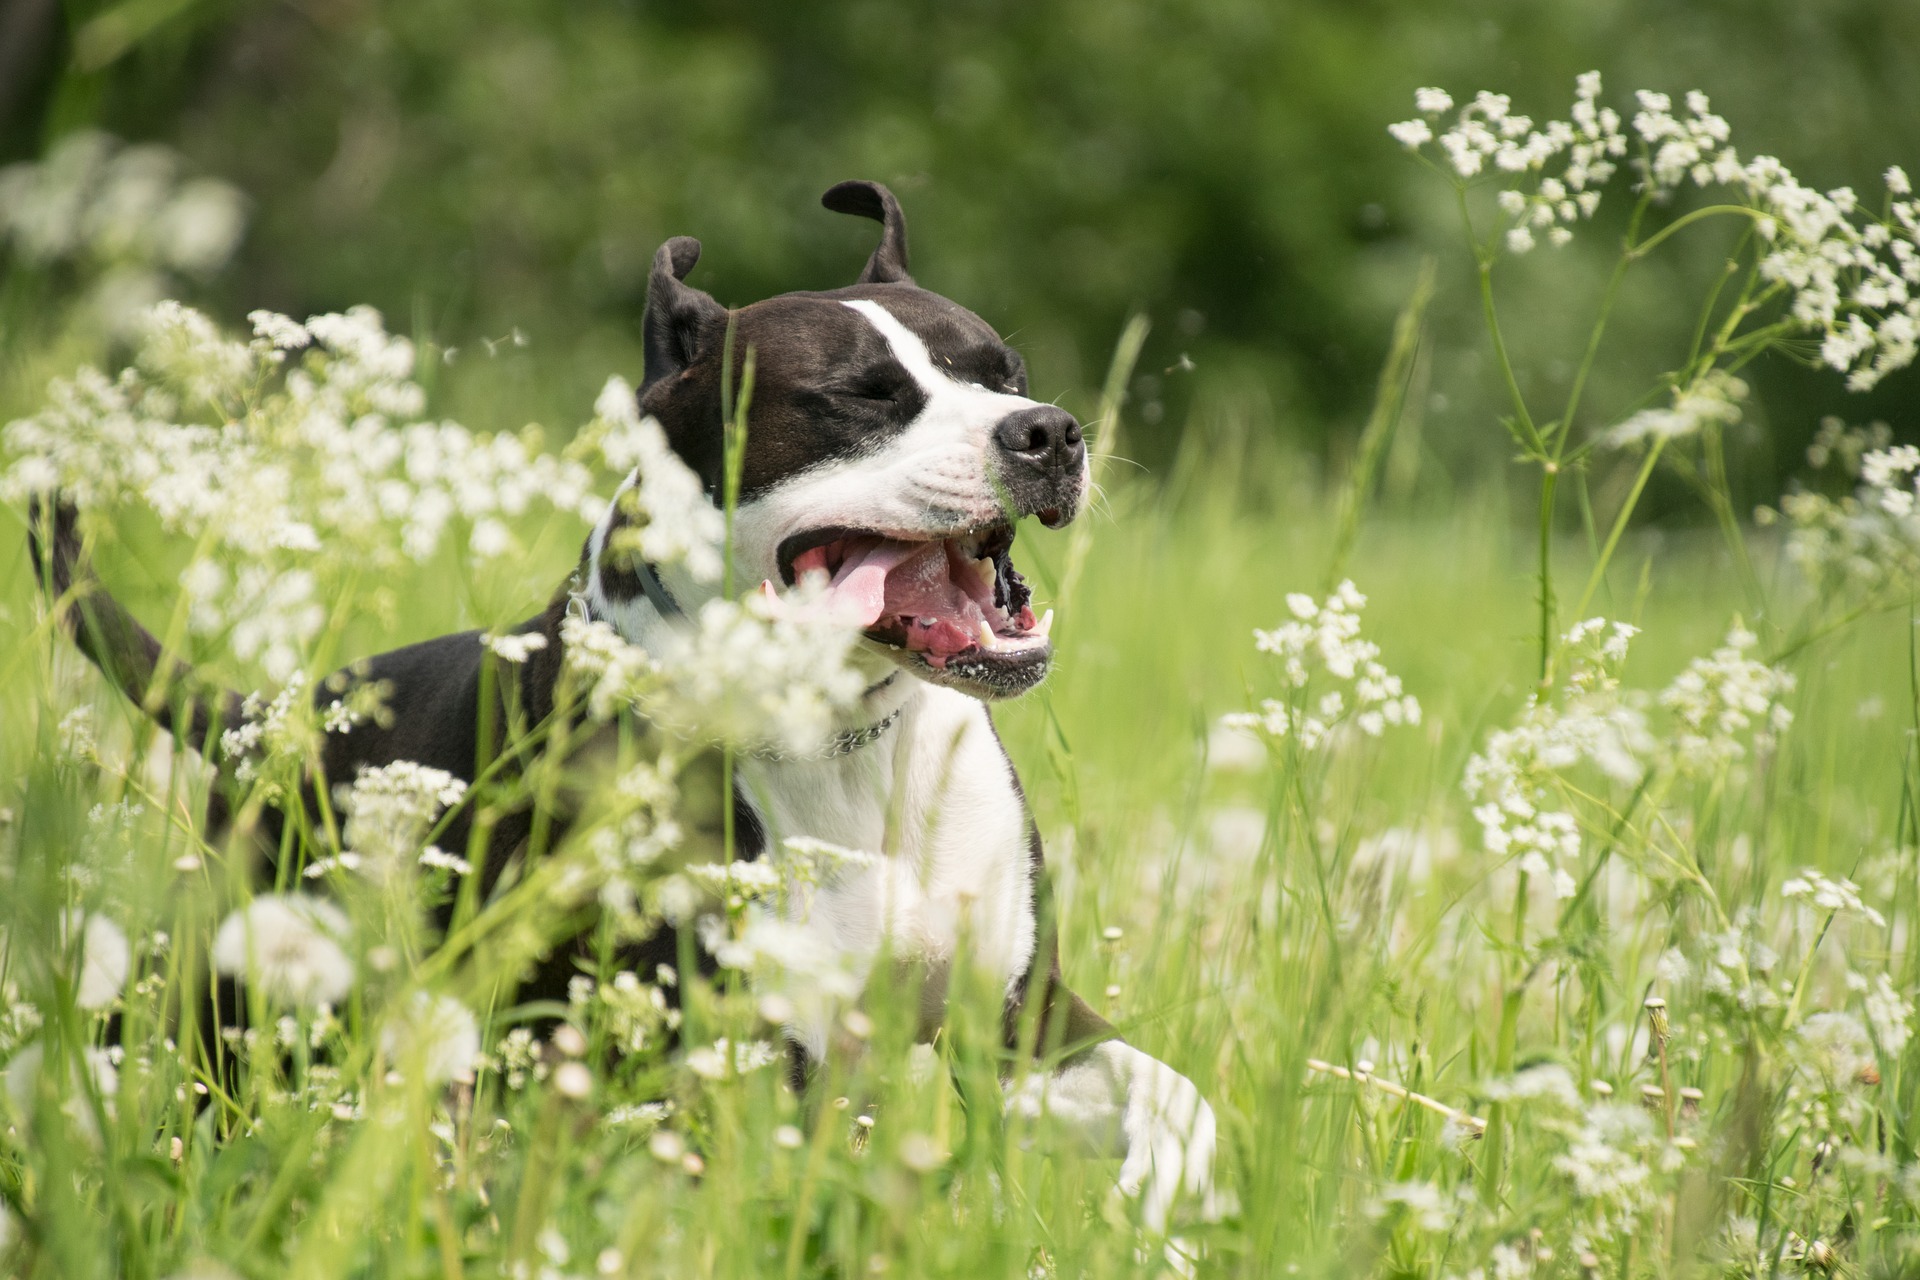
x=1170, y=1137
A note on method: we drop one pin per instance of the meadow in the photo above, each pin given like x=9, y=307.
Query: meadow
x=1600, y=962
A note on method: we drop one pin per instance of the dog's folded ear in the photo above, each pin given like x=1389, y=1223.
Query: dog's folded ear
x=888, y=265
x=676, y=312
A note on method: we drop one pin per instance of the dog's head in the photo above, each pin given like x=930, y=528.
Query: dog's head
x=891, y=447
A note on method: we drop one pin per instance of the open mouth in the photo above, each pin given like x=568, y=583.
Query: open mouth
x=955, y=600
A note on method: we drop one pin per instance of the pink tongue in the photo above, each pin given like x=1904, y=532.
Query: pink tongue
x=861, y=584
x=914, y=582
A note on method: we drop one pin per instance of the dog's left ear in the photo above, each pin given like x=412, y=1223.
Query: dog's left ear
x=888, y=265
x=675, y=312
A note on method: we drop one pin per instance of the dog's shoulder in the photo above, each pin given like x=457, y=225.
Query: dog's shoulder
x=425, y=703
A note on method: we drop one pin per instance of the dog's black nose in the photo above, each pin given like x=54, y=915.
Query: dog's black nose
x=1044, y=437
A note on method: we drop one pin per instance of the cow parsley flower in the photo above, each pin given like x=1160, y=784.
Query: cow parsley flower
x=515, y=647
x=127, y=216
x=1851, y=277
x=289, y=945
x=1609, y=1161
x=390, y=809
x=436, y=1036
x=724, y=1058
x=673, y=521
x=1867, y=541
x=1836, y=897
x=1725, y=700
x=1487, y=137
x=295, y=460
x=1517, y=781
x=1427, y=1206
x=1321, y=648
x=1889, y=1014
x=759, y=674
x=1712, y=400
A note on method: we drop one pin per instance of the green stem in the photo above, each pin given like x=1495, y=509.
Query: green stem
x=1607, y=300
x=1619, y=527
x=1654, y=241
x=1549, y=482
x=1483, y=263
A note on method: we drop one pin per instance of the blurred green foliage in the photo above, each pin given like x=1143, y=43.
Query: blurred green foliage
x=477, y=167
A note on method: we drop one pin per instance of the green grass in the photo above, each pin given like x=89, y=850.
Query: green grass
x=1256, y=933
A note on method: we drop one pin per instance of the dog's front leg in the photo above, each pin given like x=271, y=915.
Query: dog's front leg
x=1120, y=1102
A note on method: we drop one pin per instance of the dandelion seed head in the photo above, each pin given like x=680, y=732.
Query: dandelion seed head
x=290, y=946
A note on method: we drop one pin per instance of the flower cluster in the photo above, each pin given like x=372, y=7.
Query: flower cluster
x=1723, y=701
x=1488, y=132
x=1711, y=400
x=389, y=812
x=1322, y=642
x=672, y=521
x=758, y=674
x=1864, y=541
x=128, y=214
x=1834, y=897
x=1850, y=274
x=251, y=449
x=1517, y=783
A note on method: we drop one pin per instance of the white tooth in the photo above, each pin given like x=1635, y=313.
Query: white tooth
x=1046, y=624
x=987, y=640
x=991, y=574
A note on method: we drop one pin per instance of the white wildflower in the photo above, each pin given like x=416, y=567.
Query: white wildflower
x=1890, y=1014
x=1517, y=781
x=515, y=647
x=1835, y=897
x=435, y=1036
x=1322, y=643
x=1411, y=134
x=297, y=460
x=756, y=673
x=105, y=958
x=1852, y=276
x=724, y=1058
x=290, y=946
x=1724, y=700
x=1427, y=1206
x=1432, y=101
x=1834, y=1047
x=75, y=1100
x=1712, y=400
x=391, y=809
x=1608, y=1163
x=738, y=882
x=1738, y=965
x=75, y=735
x=672, y=519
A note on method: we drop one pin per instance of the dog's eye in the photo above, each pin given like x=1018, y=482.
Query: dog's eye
x=881, y=392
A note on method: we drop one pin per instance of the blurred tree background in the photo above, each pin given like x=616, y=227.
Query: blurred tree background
x=494, y=175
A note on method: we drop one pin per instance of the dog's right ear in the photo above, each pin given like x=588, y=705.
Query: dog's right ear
x=676, y=312
x=888, y=265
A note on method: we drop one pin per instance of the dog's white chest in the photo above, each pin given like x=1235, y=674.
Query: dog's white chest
x=935, y=802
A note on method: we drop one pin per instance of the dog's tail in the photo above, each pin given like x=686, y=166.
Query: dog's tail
x=183, y=702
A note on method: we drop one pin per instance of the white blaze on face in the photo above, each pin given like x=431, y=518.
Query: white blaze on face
x=931, y=479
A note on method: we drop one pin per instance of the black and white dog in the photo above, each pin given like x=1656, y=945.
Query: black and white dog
x=890, y=445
